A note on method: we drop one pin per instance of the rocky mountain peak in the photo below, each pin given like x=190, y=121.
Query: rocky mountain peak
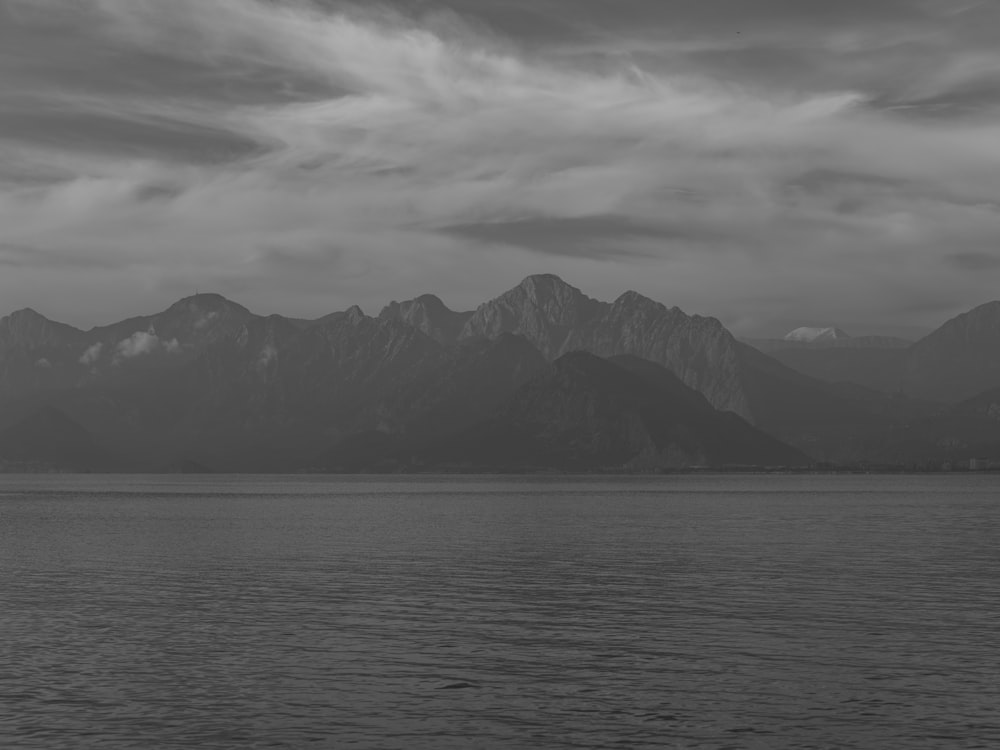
x=428, y=314
x=25, y=314
x=355, y=314
x=563, y=303
x=543, y=308
x=30, y=328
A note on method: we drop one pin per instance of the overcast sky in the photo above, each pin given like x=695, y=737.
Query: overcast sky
x=774, y=163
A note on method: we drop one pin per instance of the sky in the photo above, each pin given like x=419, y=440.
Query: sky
x=773, y=163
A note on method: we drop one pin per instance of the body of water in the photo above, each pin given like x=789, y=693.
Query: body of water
x=677, y=612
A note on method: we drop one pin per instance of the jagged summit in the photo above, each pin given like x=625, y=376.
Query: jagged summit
x=29, y=327
x=542, y=308
x=26, y=313
x=428, y=314
x=542, y=371
x=816, y=335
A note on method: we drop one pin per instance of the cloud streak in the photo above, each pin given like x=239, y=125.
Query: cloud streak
x=394, y=155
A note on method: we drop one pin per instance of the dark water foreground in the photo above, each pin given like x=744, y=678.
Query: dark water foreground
x=677, y=612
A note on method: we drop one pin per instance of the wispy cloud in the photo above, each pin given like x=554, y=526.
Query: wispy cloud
x=142, y=343
x=367, y=154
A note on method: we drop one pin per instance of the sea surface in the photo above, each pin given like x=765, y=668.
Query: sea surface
x=667, y=612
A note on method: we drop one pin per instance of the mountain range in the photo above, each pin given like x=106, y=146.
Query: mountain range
x=540, y=378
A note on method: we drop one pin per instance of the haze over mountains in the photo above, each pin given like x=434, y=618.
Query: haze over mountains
x=540, y=378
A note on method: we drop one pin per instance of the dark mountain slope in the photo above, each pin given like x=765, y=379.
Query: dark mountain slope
x=48, y=440
x=468, y=385
x=586, y=413
x=958, y=360
x=558, y=318
x=877, y=368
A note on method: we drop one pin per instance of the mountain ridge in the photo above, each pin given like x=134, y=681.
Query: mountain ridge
x=206, y=382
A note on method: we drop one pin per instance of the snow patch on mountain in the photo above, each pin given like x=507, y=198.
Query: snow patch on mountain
x=813, y=335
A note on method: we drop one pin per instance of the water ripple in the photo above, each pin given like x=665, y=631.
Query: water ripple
x=732, y=612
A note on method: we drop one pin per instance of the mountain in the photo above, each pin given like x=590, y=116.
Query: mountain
x=429, y=315
x=875, y=362
x=814, y=335
x=207, y=383
x=466, y=386
x=986, y=404
x=584, y=412
x=558, y=318
x=878, y=368
x=37, y=354
x=29, y=329
x=771, y=346
x=273, y=394
x=543, y=308
x=463, y=388
x=48, y=440
x=957, y=361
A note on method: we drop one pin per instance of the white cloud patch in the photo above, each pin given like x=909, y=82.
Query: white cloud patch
x=93, y=353
x=268, y=354
x=143, y=343
x=352, y=193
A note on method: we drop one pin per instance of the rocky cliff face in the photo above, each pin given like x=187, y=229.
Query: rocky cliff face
x=558, y=318
x=544, y=309
x=429, y=315
x=207, y=382
x=27, y=328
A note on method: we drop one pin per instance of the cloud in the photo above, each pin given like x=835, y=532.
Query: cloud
x=268, y=354
x=408, y=155
x=91, y=355
x=143, y=343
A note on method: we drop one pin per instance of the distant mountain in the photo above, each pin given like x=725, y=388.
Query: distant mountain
x=208, y=384
x=558, y=318
x=771, y=346
x=986, y=404
x=466, y=386
x=429, y=315
x=957, y=361
x=814, y=335
x=29, y=329
x=877, y=368
x=48, y=440
x=626, y=414
x=872, y=361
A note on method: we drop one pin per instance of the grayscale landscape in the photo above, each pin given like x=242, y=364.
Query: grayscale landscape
x=541, y=378
x=432, y=374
